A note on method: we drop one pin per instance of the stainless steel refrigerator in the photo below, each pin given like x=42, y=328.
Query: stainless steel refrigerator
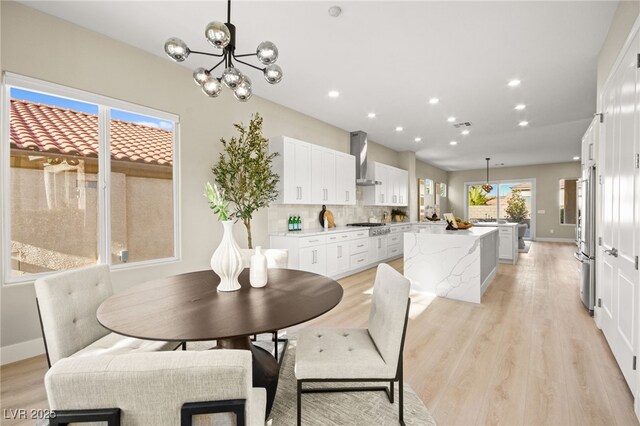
x=586, y=236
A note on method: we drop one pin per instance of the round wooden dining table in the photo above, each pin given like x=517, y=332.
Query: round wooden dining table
x=188, y=307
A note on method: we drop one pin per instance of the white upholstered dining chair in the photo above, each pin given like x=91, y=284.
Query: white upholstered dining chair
x=372, y=354
x=67, y=305
x=160, y=388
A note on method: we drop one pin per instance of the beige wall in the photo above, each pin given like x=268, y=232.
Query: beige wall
x=547, y=178
x=104, y=66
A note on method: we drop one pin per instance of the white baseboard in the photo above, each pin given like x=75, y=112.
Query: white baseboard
x=22, y=350
x=555, y=240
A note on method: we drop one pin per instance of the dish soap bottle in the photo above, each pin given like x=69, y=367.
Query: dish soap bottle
x=258, y=270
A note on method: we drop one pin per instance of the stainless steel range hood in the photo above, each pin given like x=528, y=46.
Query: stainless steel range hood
x=359, y=150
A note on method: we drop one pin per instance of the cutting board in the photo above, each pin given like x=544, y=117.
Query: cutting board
x=326, y=214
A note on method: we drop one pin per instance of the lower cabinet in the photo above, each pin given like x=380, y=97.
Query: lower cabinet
x=508, y=243
x=313, y=259
x=377, y=248
x=395, y=250
x=338, y=258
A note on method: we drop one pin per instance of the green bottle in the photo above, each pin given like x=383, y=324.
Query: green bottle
x=297, y=223
x=290, y=224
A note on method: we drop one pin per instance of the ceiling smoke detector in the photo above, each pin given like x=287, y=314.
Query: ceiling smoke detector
x=462, y=124
x=335, y=11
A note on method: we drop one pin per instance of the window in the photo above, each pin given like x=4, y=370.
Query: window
x=83, y=175
x=507, y=200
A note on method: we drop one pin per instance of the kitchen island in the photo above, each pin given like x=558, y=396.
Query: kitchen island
x=453, y=264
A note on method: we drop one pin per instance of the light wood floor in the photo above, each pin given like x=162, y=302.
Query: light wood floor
x=529, y=354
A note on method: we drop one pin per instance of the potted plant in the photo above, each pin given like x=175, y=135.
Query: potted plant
x=244, y=172
x=517, y=212
x=398, y=215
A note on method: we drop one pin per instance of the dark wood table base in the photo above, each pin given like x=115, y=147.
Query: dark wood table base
x=266, y=369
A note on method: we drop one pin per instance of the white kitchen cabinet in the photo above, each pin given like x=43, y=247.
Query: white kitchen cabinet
x=345, y=179
x=338, y=258
x=505, y=247
x=313, y=259
x=588, y=155
x=377, y=248
x=394, y=188
x=311, y=174
x=323, y=175
x=293, y=165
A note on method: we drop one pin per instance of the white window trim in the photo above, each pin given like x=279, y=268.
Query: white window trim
x=533, y=212
x=104, y=103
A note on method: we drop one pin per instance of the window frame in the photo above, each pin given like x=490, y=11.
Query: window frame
x=105, y=104
x=494, y=182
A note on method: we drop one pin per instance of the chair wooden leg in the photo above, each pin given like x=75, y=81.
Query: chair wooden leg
x=299, y=404
x=184, y=346
x=391, y=392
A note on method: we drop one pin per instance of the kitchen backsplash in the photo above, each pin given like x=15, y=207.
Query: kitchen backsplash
x=279, y=213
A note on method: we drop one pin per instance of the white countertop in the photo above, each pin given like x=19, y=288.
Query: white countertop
x=471, y=232
x=320, y=231
x=513, y=224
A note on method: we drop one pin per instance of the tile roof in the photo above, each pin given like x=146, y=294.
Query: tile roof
x=38, y=127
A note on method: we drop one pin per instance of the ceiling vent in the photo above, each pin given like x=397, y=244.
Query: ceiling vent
x=462, y=124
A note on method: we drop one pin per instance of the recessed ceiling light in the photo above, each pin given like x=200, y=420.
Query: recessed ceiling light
x=371, y=115
x=520, y=107
x=464, y=132
x=523, y=123
x=418, y=139
x=335, y=11
x=576, y=158
x=451, y=119
x=399, y=129
x=514, y=83
x=453, y=143
x=334, y=94
x=434, y=101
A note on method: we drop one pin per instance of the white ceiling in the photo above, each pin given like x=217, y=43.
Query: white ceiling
x=390, y=57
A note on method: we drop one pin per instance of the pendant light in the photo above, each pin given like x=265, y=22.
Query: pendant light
x=223, y=36
x=486, y=187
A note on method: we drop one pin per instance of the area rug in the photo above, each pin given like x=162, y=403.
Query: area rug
x=341, y=408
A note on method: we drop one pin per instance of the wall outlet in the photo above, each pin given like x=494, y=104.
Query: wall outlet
x=541, y=212
x=551, y=231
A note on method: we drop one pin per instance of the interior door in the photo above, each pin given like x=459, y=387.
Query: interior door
x=619, y=279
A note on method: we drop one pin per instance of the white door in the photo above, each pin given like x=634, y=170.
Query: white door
x=317, y=176
x=618, y=278
x=329, y=176
x=291, y=187
x=403, y=182
x=382, y=175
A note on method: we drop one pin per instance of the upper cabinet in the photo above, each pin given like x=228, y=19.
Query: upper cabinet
x=311, y=174
x=588, y=157
x=394, y=190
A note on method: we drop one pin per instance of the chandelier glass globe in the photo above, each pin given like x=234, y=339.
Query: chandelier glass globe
x=176, y=49
x=267, y=52
x=231, y=77
x=273, y=73
x=200, y=75
x=243, y=91
x=217, y=34
x=212, y=87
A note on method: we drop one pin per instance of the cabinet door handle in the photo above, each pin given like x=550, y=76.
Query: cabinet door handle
x=613, y=252
x=379, y=242
x=301, y=193
x=346, y=195
x=339, y=252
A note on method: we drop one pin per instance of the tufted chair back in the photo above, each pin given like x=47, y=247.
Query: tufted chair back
x=68, y=302
x=387, y=317
x=276, y=258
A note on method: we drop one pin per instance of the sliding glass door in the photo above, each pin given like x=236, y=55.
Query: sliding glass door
x=507, y=200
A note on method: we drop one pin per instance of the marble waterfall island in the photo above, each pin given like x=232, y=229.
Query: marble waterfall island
x=453, y=264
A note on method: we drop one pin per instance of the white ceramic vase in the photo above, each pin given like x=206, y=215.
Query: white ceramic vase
x=258, y=274
x=226, y=261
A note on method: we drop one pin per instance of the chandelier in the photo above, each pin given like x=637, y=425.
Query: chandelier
x=223, y=36
x=487, y=187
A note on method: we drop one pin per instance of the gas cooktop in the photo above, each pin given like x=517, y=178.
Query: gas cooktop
x=375, y=229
